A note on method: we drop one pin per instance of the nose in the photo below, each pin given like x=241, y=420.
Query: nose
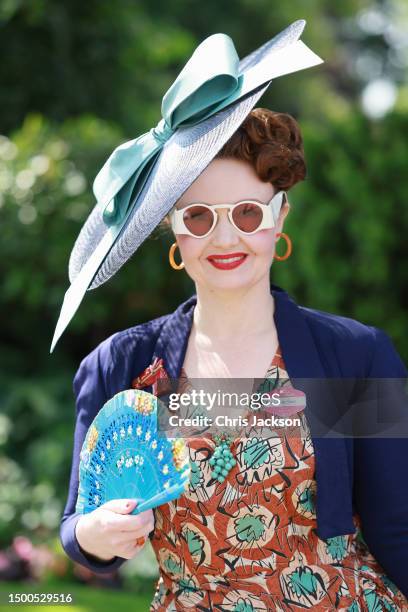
x=224, y=233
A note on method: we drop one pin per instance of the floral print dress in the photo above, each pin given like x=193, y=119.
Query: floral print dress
x=250, y=543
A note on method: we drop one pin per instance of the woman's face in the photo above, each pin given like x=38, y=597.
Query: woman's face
x=228, y=181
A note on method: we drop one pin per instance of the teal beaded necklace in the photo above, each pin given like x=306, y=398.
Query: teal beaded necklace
x=222, y=460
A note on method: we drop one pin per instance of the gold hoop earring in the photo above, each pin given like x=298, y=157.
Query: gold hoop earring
x=288, y=247
x=171, y=258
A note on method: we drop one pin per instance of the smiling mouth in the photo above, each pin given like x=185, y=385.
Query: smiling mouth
x=227, y=262
x=227, y=259
x=225, y=256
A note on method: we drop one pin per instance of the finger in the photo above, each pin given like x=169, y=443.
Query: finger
x=133, y=544
x=120, y=506
x=130, y=523
x=137, y=533
x=125, y=536
x=132, y=540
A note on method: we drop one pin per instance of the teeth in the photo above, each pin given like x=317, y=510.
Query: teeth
x=223, y=260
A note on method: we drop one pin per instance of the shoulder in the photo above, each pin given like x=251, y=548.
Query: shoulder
x=128, y=347
x=367, y=345
x=144, y=334
x=143, y=337
x=338, y=327
x=113, y=358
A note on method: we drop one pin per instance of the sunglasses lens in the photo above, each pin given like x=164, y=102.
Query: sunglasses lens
x=198, y=220
x=247, y=216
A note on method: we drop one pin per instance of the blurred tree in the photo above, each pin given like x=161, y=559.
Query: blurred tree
x=349, y=220
x=65, y=59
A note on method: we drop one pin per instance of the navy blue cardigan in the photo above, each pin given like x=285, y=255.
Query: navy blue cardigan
x=367, y=475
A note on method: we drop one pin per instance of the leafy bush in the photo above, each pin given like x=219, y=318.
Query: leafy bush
x=349, y=222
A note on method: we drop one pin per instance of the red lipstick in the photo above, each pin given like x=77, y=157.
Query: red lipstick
x=227, y=261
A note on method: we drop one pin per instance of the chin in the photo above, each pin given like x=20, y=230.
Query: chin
x=230, y=282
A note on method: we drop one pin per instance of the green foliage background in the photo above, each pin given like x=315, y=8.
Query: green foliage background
x=80, y=78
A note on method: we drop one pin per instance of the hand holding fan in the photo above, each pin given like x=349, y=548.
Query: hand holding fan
x=124, y=457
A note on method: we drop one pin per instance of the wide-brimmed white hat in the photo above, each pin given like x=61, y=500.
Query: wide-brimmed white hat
x=143, y=178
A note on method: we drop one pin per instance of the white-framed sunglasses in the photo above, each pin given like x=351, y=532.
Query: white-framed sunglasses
x=247, y=216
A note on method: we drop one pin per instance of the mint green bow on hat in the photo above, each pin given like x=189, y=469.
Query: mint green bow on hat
x=209, y=82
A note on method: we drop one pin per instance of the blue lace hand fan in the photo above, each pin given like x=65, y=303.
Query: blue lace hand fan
x=124, y=457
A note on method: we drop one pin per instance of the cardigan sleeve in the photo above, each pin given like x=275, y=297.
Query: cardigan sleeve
x=90, y=394
x=381, y=481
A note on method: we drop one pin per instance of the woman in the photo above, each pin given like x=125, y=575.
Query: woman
x=298, y=521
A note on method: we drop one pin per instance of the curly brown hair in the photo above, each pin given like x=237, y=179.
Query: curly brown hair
x=272, y=143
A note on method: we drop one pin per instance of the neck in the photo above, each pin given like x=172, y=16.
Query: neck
x=234, y=316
